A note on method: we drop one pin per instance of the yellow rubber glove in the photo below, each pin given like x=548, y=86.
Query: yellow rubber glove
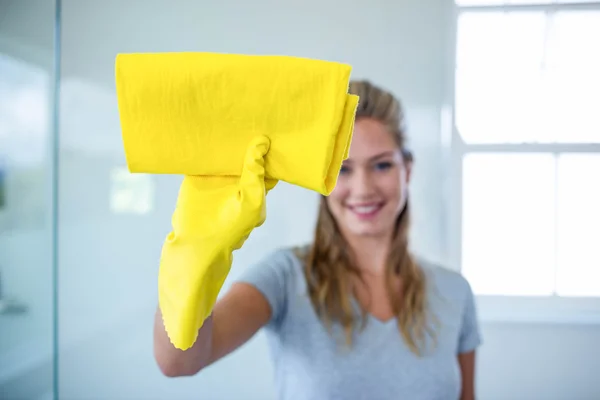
x=213, y=217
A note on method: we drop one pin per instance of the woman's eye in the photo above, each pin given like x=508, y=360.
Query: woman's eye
x=382, y=166
x=344, y=169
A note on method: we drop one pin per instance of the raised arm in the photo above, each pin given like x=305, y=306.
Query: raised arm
x=235, y=319
x=213, y=217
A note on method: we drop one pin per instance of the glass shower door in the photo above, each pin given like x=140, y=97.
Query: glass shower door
x=26, y=278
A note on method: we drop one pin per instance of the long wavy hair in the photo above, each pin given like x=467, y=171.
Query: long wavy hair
x=329, y=263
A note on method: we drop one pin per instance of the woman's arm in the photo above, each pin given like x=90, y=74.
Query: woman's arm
x=469, y=341
x=234, y=320
x=467, y=369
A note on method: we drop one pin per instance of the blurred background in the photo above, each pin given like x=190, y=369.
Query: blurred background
x=503, y=110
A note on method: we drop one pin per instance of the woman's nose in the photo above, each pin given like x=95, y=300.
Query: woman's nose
x=363, y=183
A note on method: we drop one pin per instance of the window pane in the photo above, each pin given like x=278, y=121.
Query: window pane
x=579, y=225
x=500, y=40
x=571, y=107
x=503, y=107
x=528, y=77
x=130, y=193
x=508, y=223
x=574, y=41
x=573, y=81
x=498, y=79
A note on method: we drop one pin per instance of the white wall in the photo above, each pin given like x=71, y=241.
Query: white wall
x=108, y=261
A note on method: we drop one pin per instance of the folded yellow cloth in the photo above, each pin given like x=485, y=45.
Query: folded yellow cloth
x=195, y=114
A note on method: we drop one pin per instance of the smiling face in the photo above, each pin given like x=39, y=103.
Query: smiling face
x=372, y=187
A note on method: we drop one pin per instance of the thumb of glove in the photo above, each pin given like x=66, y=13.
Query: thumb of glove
x=252, y=188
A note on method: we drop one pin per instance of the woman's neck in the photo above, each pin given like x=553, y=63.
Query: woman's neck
x=371, y=253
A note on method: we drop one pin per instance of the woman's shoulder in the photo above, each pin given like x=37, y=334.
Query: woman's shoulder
x=444, y=279
x=282, y=266
x=289, y=257
x=278, y=275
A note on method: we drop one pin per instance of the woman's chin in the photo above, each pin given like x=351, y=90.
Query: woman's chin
x=370, y=230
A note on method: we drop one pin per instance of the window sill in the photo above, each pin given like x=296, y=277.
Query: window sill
x=538, y=310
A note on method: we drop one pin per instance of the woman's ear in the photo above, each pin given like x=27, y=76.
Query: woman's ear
x=408, y=167
x=407, y=157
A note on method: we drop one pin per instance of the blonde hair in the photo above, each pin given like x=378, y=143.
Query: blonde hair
x=329, y=265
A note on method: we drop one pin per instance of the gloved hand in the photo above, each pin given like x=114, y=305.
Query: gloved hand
x=213, y=217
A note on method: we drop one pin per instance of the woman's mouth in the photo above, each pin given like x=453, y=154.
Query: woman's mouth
x=365, y=211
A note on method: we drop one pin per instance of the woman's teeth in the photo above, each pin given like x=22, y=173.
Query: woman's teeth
x=365, y=209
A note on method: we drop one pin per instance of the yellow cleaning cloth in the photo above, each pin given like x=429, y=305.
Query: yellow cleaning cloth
x=195, y=114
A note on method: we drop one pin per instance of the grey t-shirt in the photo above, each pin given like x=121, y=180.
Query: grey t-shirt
x=310, y=364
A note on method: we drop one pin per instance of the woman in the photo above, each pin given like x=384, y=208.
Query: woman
x=354, y=315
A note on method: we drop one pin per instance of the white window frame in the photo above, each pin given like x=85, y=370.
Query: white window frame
x=551, y=309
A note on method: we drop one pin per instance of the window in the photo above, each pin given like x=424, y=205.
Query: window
x=526, y=147
x=131, y=193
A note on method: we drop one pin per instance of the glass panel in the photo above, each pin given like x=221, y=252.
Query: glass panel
x=500, y=41
x=110, y=243
x=26, y=278
x=498, y=80
x=496, y=107
x=508, y=223
x=574, y=42
x=130, y=193
x=528, y=77
x=573, y=81
x=578, y=225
